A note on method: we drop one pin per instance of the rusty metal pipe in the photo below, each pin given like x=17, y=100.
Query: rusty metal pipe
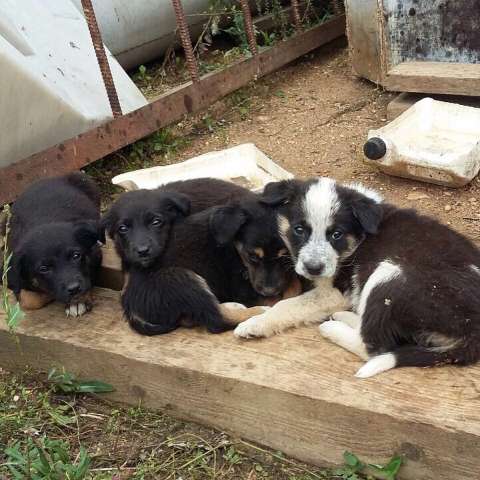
x=249, y=30
x=186, y=40
x=102, y=58
x=296, y=15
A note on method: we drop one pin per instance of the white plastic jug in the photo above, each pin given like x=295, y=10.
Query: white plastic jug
x=433, y=141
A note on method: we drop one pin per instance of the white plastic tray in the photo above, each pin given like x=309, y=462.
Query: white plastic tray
x=244, y=164
x=433, y=141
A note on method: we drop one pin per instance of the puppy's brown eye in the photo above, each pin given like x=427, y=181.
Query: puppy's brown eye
x=157, y=222
x=44, y=269
x=76, y=256
x=122, y=229
x=337, y=235
x=299, y=230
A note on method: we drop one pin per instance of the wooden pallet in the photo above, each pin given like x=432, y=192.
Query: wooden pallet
x=435, y=77
x=295, y=392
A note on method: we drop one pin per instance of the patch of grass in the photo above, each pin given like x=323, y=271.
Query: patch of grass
x=40, y=459
x=240, y=102
x=13, y=312
x=79, y=435
x=160, y=148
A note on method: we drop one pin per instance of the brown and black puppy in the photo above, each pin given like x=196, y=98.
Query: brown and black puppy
x=250, y=227
x=55, y=240
x=235, y=248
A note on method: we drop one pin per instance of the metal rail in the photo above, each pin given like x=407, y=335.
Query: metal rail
x=201, y=92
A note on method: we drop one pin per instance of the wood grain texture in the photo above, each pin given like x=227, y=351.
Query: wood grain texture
x=404, y=101
x=111, y=275
x=435, y=77
x=293, y=392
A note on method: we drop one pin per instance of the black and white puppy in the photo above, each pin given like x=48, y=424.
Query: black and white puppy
x=413, y=282
x=55, y=240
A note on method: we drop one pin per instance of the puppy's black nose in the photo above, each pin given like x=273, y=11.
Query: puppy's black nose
x=269, y=291
x=73, y=288
x=315, y=269
x=143, y=250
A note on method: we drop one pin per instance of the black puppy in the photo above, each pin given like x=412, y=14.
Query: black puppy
x=55, y=235
x=162, y=292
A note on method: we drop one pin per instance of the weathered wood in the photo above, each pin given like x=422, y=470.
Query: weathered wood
x=384, y=34
x=363, y=31
x=111, y=275
x=404, y=101
x=294, y=392
x=435, y=77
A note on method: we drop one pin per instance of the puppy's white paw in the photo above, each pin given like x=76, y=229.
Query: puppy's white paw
x=331, y=329
x=76, y=309
x=251, y=328
x=380, y=363
x=234, y=306
x=348, y=318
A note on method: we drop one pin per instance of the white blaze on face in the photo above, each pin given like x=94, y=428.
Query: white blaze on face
x=320, y=205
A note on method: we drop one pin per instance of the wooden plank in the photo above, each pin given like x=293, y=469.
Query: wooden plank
x=363, y=31
x=404, y=101
x=295, y=392
x=85, y=148
x=435, y=77
x=111, y=275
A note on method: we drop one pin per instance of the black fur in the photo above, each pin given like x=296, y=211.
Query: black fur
x=160, y=301
x=216, y=244
x=54, y=238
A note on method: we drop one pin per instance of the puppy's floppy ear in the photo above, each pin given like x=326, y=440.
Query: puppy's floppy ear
x=15, y=274
x=225, y=222
x=88, y=233
x=107, y=224
x=279, y=193
x=368, y=213
x=178, y=203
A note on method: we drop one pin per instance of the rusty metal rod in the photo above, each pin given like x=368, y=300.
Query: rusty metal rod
x=296, y=15
x=338, y=7
x=186, y=40
x=249, y=30
x=102, y=58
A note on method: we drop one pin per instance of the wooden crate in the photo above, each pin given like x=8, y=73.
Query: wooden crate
x=424, y=46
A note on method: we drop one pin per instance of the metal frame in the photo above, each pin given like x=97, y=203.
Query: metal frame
x=193, y=96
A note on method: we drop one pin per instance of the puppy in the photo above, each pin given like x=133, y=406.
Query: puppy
x=413, y=282
x=205, y=193
x=160, y=251
x=54, y=237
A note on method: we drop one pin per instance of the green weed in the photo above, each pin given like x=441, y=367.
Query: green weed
x=66, y=382
x=13, y=312
x=45, y=459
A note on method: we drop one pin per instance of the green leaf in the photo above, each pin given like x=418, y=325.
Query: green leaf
x=83, y=465
x=353, y=461
x=389, y=471
x=61, y=419
x=94, y=386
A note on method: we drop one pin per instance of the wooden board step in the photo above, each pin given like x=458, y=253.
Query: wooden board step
x=294, y=392
x=435, y=77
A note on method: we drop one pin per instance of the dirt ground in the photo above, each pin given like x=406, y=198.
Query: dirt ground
x=313, y=117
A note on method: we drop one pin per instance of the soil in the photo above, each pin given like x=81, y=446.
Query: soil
x=313, y=117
